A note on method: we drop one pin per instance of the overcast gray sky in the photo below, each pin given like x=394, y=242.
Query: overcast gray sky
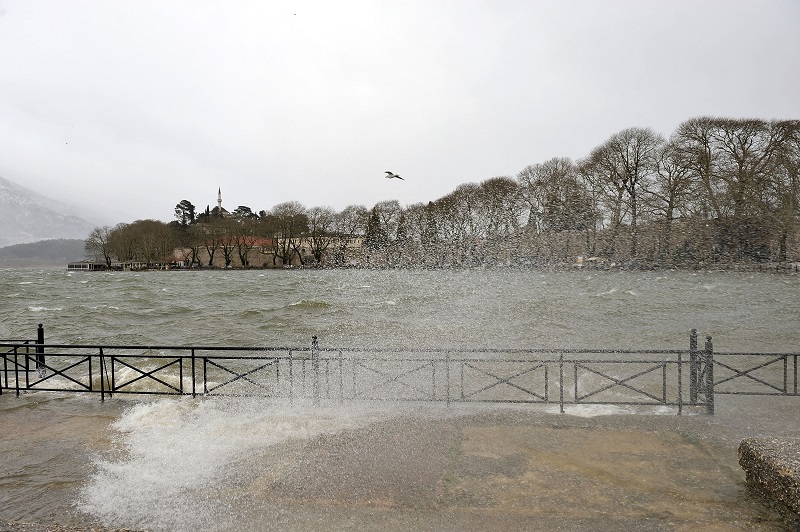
x=126, y=108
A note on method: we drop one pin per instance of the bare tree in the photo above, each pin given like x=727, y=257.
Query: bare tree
x=122, y=243
x=694, y=139
x=230, y=230
x=623, y=166
x=555, y=197
x=320, y=228
x=244, y=238
x=155, y=240
x=780, y=197
x=460, y=224
x=290, y=223
x=98, y=244
x=212, y=235
x=668, y=195
x=349, y=225
x=189, y=240
x=740, y=165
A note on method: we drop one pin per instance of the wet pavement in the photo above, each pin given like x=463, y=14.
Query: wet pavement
x=474, y=469
x=515, y=471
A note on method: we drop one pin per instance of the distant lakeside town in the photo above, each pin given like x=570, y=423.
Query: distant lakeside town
x=718, y=193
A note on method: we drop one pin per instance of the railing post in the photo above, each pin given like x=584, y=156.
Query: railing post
x=709, y=356
x=103, y=374
x=40, y=367
x=561, y=382
x=315, y=368
x=693, y=367
x=194, y=375
x=16, y=370
x=28, y=359
x=785, y=374
x=205, y=375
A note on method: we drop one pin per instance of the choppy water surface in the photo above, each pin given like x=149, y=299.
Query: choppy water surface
x=189, y=464
x=742, y=311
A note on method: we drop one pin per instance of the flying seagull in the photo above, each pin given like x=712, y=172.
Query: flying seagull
x=390, y=175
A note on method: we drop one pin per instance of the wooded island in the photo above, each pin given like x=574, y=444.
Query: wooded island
x=718, y=191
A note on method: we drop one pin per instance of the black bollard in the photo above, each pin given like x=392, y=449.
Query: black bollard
x=40, y=364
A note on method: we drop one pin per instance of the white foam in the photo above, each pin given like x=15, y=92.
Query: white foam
x=592, y=410
x=615, y=410
x=179, y=449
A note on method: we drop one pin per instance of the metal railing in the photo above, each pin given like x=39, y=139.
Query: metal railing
x=669, y=378
x=14, y=346
x=756, y=373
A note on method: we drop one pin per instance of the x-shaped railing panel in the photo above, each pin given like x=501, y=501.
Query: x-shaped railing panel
x=389, y=378
x=143, y=374
x=623, y=382
x=245, y=376
x=56, y=372
x=747, y=372
x=498, y=381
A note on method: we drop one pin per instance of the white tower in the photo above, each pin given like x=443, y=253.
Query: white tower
x=219, y=200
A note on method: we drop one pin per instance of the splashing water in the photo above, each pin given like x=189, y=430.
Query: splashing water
x=177, y=455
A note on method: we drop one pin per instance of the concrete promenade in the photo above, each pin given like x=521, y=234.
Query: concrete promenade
x=489, y=469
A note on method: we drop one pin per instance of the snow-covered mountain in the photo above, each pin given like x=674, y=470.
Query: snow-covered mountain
x=26, y=216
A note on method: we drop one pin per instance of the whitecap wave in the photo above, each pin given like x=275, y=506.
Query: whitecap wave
x=309, y=304
x=607, y=293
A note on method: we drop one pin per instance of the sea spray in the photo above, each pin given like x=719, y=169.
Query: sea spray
x=176, y=457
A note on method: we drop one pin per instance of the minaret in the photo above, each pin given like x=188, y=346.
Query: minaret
x=219, y=200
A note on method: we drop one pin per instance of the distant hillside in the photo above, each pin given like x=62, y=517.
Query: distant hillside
x=26, y=216
x=44, y=253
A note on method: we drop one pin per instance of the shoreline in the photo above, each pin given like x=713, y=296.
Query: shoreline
x=771, y=267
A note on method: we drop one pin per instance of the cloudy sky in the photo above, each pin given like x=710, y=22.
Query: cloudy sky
x=124, y=108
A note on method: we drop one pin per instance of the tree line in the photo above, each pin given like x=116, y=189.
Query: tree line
x=717, y=191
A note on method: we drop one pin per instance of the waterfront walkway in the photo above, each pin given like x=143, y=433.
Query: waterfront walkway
x=483, y=469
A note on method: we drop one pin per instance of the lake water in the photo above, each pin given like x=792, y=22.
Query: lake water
x=361, y=308
x=163, y=462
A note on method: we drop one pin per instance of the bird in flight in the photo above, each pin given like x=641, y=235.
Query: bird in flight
x=390, y=175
